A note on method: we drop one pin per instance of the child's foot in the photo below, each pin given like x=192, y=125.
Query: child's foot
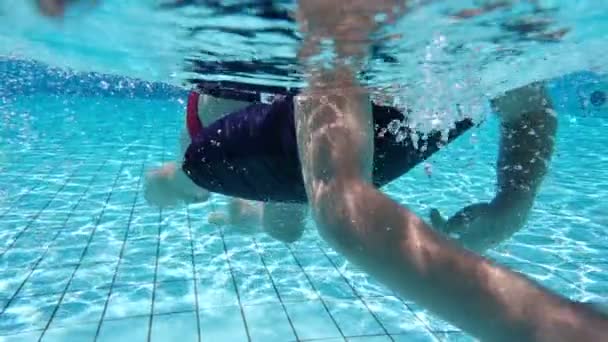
x=198, y=196
x=217, y=218
x=159, y=188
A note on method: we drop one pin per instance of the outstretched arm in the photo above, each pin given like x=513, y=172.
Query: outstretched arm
x=334, y=132
x=527, y=139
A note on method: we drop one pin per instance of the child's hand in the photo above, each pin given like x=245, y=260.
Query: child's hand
x=472, y=225
x=483, y=225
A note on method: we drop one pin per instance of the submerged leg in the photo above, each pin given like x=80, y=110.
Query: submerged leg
x=284, y=221
x=168, y=186
x=245, y=215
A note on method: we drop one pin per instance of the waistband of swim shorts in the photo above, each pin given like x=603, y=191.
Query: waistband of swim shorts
x=245, y=92
x=193, y=122
x=229, y=90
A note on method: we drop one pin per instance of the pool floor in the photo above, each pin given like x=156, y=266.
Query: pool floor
x=84, y=258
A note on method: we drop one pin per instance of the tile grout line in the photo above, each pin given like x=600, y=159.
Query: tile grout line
x=333, y=338
x=293, y=329
x=120, y=256
x=428, y=328
x=33, y=218
x=356, y=293
x=194, y=273
x=165, y=282
x=154, y=280
x=312, y=285
x=84, y=323
x=558, y=275
x=84, y=252
x=426, y=325
x=27, y=192
x=37, y=262
x=234, y=283
x=48, y=168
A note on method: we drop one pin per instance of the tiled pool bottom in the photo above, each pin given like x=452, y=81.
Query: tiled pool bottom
x=94, y=265
x=90, y=265
x=83, y=258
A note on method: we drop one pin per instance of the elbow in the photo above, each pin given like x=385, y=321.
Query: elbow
x=338, y=209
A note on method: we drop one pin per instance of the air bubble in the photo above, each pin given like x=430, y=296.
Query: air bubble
x=428, y=169
x=415, y=139
x=381, y=18
x=436, y=123
x=394, y=126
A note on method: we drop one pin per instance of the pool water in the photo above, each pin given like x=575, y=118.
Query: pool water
x=429, y=60
x=84, y=258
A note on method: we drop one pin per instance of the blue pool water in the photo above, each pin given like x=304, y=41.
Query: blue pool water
x=84, y=258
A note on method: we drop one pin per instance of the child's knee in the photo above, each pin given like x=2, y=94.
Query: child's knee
x=285, y=232
x=244, y=213
x=283, y=222
x=158, y=192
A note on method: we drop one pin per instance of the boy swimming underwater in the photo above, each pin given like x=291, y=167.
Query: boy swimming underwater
x=251, y=153
x=335, y=139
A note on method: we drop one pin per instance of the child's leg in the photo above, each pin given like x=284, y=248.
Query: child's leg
x=169, y=185
x=245, y=214
x=284, y=221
